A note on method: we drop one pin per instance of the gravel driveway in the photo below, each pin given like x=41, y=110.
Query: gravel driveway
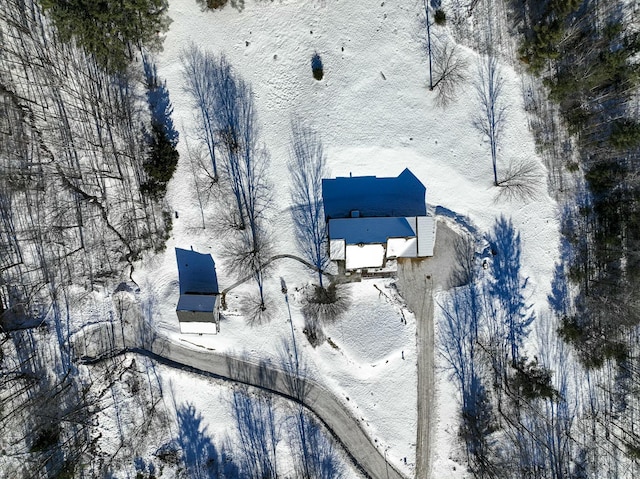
x=417, y=281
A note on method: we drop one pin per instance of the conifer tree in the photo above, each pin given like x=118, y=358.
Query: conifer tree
x=110, y=31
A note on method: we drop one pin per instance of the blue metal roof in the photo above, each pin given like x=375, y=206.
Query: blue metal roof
x=369, y=230
x=374, y=197
x=204, y=303
x=197, y=272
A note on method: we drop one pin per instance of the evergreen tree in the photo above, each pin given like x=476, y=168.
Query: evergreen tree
x=163, y=157
x=159, y=102
x=110, y=30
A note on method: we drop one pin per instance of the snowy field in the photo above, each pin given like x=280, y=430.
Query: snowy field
x=375, y=116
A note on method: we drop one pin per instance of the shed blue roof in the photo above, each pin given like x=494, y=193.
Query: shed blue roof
x=369, y=230
x=203, y=303
x=197, y=272
x=374, y=197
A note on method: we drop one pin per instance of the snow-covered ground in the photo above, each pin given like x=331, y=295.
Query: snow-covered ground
x=375, y=116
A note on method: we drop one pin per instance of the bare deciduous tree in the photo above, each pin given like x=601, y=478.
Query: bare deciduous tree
x=308, y=167
x=254, y=247
x=491, y=118
x=449, y=69
x=459, y=344
x=255, y=417
x=199, y=73
x=248, y=253
x=427, y=25
x=228, y=126
x=520, y=180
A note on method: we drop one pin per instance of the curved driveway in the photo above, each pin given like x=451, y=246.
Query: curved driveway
x=103, y=340
x=417, y=281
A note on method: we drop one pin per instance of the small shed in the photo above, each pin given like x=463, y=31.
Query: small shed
x=198, y=306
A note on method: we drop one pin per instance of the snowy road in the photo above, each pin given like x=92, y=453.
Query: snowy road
x=417, y=281
x=104, y=339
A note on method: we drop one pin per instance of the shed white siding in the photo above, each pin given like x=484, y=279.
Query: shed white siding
x=426, y=235
x=193, y=327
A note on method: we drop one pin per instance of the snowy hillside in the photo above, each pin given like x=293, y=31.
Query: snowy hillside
x=375, y=116
x=129, y=132
x=133, y=394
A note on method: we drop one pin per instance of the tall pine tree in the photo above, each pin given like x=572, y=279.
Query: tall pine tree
x=110, y=31
x=162, y=159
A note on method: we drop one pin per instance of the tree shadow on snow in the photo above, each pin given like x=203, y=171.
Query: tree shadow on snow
x=508, y=285
x=259, y=433
x=313, y=451
x=199, y=454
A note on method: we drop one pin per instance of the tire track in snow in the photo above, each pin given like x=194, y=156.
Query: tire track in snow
x=417, y=281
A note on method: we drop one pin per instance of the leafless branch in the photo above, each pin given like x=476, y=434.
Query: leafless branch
x=450, y=70
x=521, y=180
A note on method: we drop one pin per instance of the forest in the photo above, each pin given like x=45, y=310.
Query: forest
x=87, y=148
x=78, y=148
x=568, y=409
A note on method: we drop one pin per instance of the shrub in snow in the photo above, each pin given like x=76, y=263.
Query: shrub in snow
x=316, y=67
x=440, y=17
x=214, y=3
x=313, y=331
x=325, y=305
x=322, y=305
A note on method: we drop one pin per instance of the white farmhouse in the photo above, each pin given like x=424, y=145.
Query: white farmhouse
x=371, y=220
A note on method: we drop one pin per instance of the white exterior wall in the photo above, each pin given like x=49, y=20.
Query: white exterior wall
x=193, y=327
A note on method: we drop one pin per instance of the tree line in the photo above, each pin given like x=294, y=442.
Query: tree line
x=77, y=141
x=75, y=162
x=586, y=55
x=570, y=408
